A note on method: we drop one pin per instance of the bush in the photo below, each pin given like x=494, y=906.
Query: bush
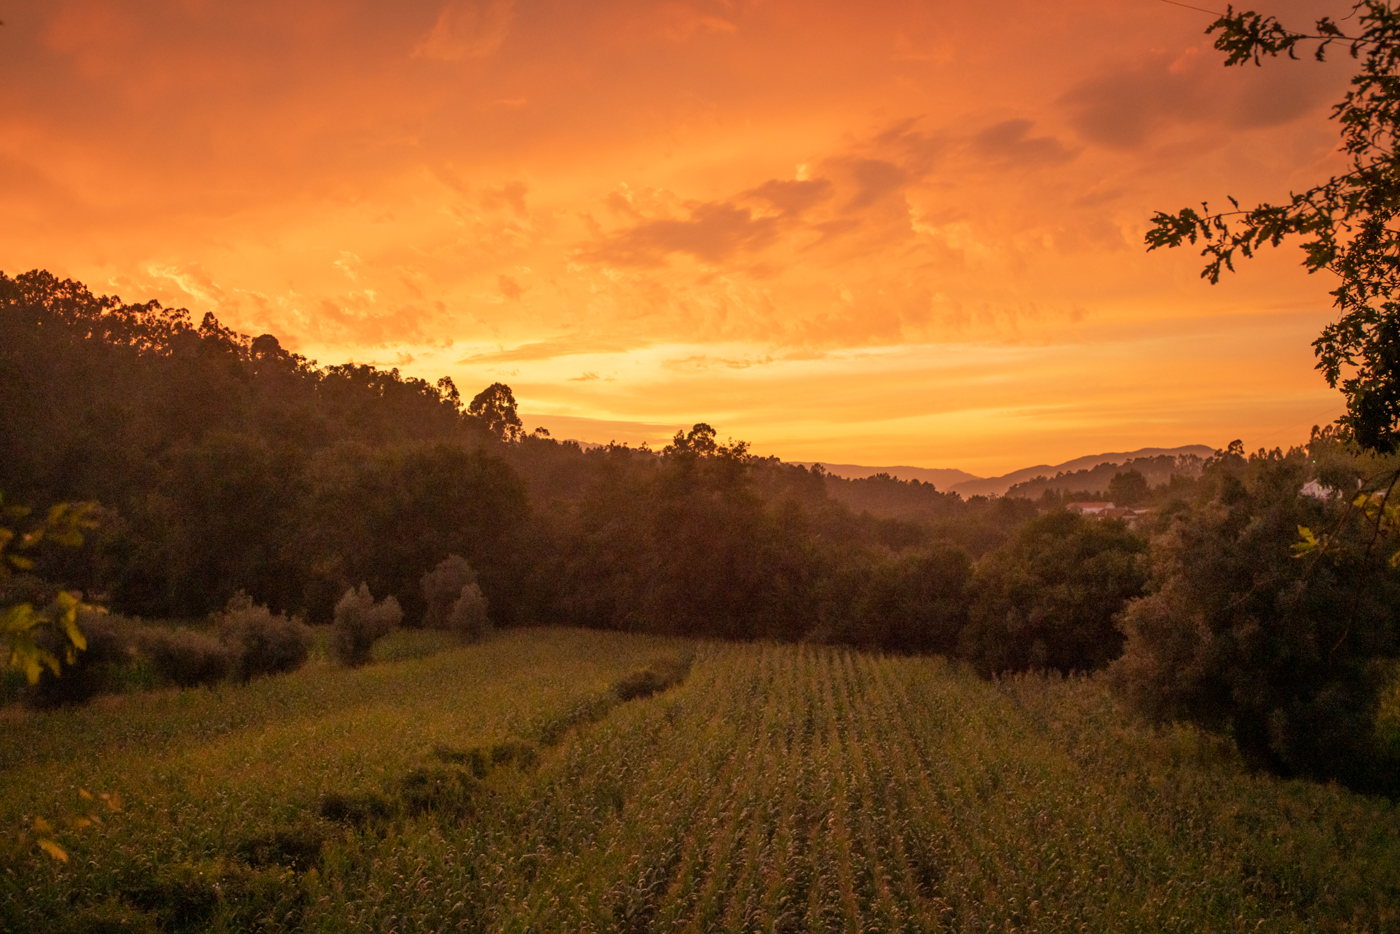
x=357, y=810
x=468, y=617
x=442, y=589
x=262, y=643
x=108, y=650
x=1289, y=657
x=1049, y=597
x=359, y=622
x=185, y=657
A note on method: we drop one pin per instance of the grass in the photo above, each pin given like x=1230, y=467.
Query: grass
x=553, y=780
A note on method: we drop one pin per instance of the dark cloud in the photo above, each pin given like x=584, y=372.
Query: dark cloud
x=1010, y=142
x=832, y=229
x=790, y=196
x=714, y=232
x=916, y=150
x=876, y=178
x=1123, y=107
x=1120, y=109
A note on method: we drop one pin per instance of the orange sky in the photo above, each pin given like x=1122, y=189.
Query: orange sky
x=880, y=233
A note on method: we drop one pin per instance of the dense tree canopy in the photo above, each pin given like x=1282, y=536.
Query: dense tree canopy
x=1287, y=655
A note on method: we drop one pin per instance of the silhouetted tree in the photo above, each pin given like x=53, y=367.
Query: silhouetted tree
x=1128, y=488
x=494, y=407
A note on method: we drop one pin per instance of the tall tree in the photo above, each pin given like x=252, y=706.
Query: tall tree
x=494, y=406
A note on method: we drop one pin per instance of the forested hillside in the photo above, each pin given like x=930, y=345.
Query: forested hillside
x=231, y=474
x=223, y=463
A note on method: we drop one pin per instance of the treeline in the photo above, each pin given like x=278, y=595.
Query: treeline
x=225, y=465
x=1164, y=470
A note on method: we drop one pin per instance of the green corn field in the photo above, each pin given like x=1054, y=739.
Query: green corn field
x=518, y=786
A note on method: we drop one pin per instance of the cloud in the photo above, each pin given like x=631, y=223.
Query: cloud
x=547, y=350
x=1123, y=107
x=590, y=376
x=792, y=197
x=195, y=282
x=467, y=29
x=876, y=178
x=680, y=22
x=346, y=322
x=700, y=362
x=714, y=232
x=511, y=195
x=400, y=359
x=917, y=151
x=1009, y=142
x=509, y=288
x=349, y=264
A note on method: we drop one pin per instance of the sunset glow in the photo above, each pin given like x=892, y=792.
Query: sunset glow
x=876, y=233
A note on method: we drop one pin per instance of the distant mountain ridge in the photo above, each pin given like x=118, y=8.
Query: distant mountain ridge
x=966, y=484
x=997, y=486
x=941, y=477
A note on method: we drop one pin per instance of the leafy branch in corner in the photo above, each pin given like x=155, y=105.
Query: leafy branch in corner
x=1348, y=223
x=21, y=625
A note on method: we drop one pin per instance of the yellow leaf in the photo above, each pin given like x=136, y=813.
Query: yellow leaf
x=80, y=822
x=42, y=826
x=19, y=618
x=53, y=849
x=1308, y=543
x=68, y=608
x=84, y=794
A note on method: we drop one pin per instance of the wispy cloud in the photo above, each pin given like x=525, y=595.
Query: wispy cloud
x=467, y=29
x=547, y=350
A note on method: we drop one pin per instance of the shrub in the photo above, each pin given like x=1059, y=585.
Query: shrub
x=468, y=617
x=262, y=643
x=1049, y=597
x=357, y=810
x=514, y=752
x=442, y=589
x=297, y=847
x=359, y=622
x=108, y=650
x=657, y=677
x=449, y=792
x=185, y=657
